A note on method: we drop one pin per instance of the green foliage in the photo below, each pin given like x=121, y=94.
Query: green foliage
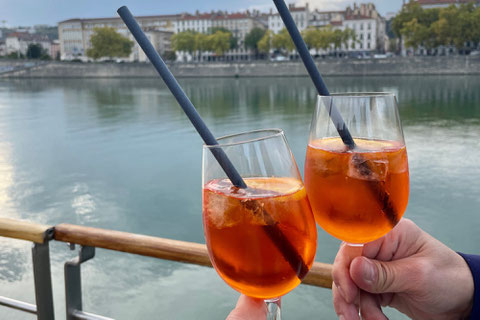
x=327, y=37
x=191, y=41
x=219, y=42
x=283, y=41
x=253, y=37
x=36, y=51
x=432, y=27
x=13, y=55
x=233, y=40
x=184, y=41
x=106, y=42
x=265, y=44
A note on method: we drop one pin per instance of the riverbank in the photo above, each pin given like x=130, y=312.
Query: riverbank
x=447, y=65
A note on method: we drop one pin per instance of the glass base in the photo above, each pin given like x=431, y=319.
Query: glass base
x=273, y=309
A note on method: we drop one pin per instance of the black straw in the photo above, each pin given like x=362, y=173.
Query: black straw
x=272, y=230
x=181, y=97
x=307, y=59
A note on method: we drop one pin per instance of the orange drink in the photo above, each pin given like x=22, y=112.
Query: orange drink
x=237, y=223
x=357, y=195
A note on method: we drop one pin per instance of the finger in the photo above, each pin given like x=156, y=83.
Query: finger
x=370, y=308
x=341, y=275
x=344, y=310
x=402, y=241
x=385, y=276
x=248, y=309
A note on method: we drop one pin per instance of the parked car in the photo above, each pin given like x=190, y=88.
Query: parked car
x=279, y=58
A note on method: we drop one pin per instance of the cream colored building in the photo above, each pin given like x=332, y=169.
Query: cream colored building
x=301, y=16
x=74, y=34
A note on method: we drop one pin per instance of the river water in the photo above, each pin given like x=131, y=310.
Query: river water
x=120, y=154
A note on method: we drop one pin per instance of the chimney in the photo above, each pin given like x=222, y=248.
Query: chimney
x=291, y=6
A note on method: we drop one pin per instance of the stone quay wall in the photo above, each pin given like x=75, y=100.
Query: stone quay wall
x=463, y=65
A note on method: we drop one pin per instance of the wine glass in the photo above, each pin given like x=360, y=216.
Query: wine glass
x=357, y=194
x=261, y=239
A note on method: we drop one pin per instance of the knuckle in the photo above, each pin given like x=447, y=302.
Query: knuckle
x=386, y=277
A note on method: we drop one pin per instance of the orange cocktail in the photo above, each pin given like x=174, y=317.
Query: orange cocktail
x=237, y=224
x=357, y=195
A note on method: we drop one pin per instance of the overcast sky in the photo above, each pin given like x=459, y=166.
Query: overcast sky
x=32, y=12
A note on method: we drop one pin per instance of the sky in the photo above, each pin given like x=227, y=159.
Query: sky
x=32, y=12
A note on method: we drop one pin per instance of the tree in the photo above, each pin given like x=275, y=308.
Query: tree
x=265, y=44
x=219, y=42
x=253, y=37
x=282, y=40
x=35, y=51
x=417, y=34
x=347, y=35
x=184, y=41
x=106, y=42
x=233, y=40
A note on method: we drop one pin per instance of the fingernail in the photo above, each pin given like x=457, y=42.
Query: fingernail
x=368, y=271
x=341, y=317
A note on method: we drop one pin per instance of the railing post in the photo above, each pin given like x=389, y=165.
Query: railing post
x=43, y=278
x=73, y=281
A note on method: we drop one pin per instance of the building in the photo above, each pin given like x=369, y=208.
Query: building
x=55, y=49
x=324, y=18
x=301, y=16
x=74, y=34
x=18, y=42
x=198, y=22
x=238, y=23
x=430, y=4
x=160, y=40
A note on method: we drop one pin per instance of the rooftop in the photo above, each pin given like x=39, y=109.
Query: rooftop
x=165, y=16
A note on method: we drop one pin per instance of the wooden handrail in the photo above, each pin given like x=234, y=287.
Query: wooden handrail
x=320, y=274
x=133, y=243
x=189, y=252
x=24, y=230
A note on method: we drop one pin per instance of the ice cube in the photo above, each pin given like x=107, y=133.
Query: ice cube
x=223, y=211
x=362, y=168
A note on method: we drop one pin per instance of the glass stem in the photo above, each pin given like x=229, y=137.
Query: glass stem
x=355, y=250
x=273, y=309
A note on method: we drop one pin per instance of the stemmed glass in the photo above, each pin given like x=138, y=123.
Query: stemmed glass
x=261, y=239
x=357, y=194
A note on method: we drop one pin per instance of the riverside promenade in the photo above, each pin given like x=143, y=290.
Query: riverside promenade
x=446, y=65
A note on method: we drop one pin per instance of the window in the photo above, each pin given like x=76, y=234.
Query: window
x=361, y=26
x=368, y=36
x=368, y=45
x=361, y=45
x=369, y=26
x=361, y=36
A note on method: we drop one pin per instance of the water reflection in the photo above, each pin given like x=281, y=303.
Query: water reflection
x=120, y=154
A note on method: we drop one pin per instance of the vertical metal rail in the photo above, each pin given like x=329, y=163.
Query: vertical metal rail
x=43, y=278
x=73, y=286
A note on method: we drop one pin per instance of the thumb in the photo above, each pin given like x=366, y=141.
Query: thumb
x=376, y=276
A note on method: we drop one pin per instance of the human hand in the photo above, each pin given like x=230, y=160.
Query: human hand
x=248, y=309
x=408, y=270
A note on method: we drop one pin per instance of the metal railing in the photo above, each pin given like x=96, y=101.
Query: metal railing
x=90, y=238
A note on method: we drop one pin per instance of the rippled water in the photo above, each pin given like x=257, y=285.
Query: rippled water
x=120, y=154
